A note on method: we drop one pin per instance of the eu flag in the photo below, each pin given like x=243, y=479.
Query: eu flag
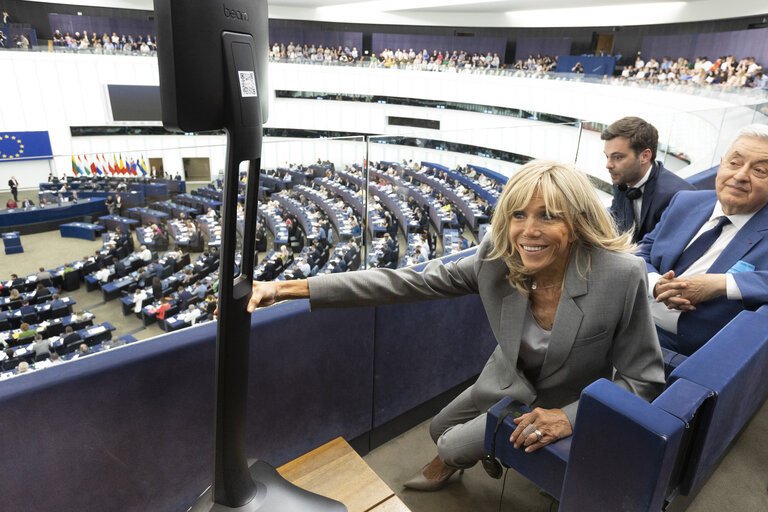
x=24, y=146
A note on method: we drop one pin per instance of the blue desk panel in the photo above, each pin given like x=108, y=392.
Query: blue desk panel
x=52, y=213
x=81, y=230
x=12, y=243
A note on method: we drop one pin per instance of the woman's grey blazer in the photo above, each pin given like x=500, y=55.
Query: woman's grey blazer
x=603, y=326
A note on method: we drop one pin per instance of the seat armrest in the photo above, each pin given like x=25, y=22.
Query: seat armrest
x=623, y=451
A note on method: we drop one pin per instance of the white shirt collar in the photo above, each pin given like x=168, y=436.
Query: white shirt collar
x=644, y=179
x=738, y=220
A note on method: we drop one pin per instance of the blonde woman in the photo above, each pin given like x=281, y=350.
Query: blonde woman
x=566, y=301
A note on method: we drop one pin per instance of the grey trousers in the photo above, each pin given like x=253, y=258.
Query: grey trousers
x=459, y=432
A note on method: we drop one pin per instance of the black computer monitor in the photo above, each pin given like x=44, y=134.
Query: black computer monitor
x=190, y=53
x=212, y=56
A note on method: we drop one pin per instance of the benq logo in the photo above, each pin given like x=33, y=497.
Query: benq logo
x=235, y=14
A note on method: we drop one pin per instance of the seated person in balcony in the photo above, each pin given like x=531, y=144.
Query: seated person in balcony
x=707, y=258
x=642, y=187
x=566, y=301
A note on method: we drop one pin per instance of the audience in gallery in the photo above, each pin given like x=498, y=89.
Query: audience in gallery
x=107, y=44
x=724, y=71
x=401, y=58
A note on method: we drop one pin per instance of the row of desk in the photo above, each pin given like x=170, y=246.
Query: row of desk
x=38, y=218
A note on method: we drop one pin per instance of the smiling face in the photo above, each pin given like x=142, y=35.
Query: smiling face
x=740, y=189
x=542, y=239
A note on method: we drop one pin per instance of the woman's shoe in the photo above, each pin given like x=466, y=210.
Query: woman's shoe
x=421, y=483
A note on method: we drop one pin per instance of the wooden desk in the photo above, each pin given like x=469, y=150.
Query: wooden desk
x=335, y=470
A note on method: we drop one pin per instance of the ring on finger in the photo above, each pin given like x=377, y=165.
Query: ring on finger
x=528, y=430
x=539, y=435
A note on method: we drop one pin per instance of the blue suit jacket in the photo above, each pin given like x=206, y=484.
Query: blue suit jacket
x=657, y=192
x=661, y=248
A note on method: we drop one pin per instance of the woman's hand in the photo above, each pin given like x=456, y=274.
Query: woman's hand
x=263, y=294
x=552, y=423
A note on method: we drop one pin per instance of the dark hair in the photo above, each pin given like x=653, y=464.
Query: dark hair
x=642, y=135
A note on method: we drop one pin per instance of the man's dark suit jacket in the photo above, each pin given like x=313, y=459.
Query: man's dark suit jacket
x=185, y=297
x=57, y=304
x=120, y=270
x=71, y=338
x=657, y=192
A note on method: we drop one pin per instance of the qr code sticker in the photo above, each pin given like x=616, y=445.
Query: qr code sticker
x=247, y=84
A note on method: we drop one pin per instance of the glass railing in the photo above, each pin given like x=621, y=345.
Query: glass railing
x=680, y=86
x=327, y=205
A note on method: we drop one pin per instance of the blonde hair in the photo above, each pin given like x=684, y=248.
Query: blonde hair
x=567, y=194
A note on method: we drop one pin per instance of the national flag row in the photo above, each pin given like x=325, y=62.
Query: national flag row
x=100, y=165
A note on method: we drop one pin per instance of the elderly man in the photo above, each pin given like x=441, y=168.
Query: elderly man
x=642, y=187
x=706, y=258
x=144, y=254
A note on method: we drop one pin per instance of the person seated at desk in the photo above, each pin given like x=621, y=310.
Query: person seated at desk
x=26, y=308
x=302, y=267
x=144, y=254
x=200, y=290
x=74, y=197
x=41, y=293
x=143, y=277
x=41, y=346
x=25, y=331
x=11, y=204
x=421, y=255
x=164, y=306
x=120, y=270
x=22, y=368
x=15, y=281
x=102, y=275
x=44, y=277
x=14, y=299
x=82, y=351
x=27, y=203
x=547, y=276
x=210, y=303
x=70, y=336
x=57, y=303
x=341, y=266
